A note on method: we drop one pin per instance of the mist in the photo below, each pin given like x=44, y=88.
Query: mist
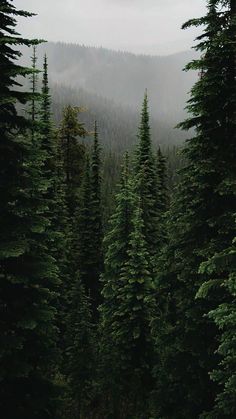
x=139, y=26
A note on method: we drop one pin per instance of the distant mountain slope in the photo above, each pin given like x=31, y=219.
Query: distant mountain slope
x=123, y=77
x=118, y=125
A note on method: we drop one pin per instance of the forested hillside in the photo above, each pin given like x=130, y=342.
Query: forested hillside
x=117, y=248
x=122, y=77
x=110, y=85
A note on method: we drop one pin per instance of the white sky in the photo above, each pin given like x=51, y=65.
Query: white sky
x=140, y=26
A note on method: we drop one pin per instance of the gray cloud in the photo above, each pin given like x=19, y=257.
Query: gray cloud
x=145, y=26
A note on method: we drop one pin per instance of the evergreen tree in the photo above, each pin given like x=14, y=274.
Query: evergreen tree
x=131, y=334
x=82, y=244
x=96, y=219
x=33, y=111
x=28, y=272
x=127, y=309
x=73, y=153
x=116, y=246
x=148, y=185
x=222, y=268
x=80, y=352
x=201, y=224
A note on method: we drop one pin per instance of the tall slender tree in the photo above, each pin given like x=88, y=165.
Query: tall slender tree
x=222, y=268
x=96, y=218
x=73, y=153
x=127, y=309
x=202, y=223
x=145, y=169
x=116, y=243
x=28, y=273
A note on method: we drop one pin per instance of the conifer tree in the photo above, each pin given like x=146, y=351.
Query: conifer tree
x=88, y=226
x=82, y=245
x=80, y=365
x=201, y=224
x=127, y=309
x=131, y=334
x=148, y=186
x=57, y=213
x=28, y=273
x=222, y=268
x=73, y=153
x=96, y=218
x=116, y=246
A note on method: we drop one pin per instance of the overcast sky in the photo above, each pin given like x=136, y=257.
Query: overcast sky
x=140, y=26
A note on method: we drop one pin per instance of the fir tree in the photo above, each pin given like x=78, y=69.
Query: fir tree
x=73, y=153
x=148, y=185
x=96, y=218
x=131, y=333
x=80, y=352
x=116, y=246
x=28, y=273
x=127, y=310
x=201, y=224
x=222, y=268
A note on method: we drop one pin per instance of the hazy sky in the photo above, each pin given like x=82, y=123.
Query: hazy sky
x=142, y=26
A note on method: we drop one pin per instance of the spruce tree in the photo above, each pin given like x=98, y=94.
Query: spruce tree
x=127, y=309
x=73, y=153
x=87, y=230
x=80, y=364
x=132, y=318
x=96, y=219
x=221, y=268
x=116, y=243
x=82, y=245
x=201, y=224
x=28, y=272
x=148, y=186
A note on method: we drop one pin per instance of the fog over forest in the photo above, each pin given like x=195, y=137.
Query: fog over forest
x=101, y=79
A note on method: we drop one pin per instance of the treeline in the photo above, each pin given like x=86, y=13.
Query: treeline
x=121, y=77
x=132, y=317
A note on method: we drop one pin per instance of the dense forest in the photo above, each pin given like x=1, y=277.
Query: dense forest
x=117, y=240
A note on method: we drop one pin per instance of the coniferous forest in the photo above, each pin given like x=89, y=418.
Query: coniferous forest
x=117, y=267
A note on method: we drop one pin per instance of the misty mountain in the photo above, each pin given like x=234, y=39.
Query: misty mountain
x=123, y=77
x=111, y=85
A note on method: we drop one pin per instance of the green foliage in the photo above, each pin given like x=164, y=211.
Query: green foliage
x=73, y=153
x=29, y=276
x=126, y=348
x=80, y=352
x=147, y=187
x=201, y=224
x=222, y=267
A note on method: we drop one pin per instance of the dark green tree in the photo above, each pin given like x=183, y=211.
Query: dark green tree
x=221, y=268
x=145, y=169
x=132, y=318
x=80, y=356
x=127, y=309
x=96, y=219
x=87, y=230
x=28, y=273
x=201, y=224
x=116, y=246
x=73, y=153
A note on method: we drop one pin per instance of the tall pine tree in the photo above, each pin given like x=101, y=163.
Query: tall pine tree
x=202, y=223
x=145, y=170
x=28, y=272
x=127, y=310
